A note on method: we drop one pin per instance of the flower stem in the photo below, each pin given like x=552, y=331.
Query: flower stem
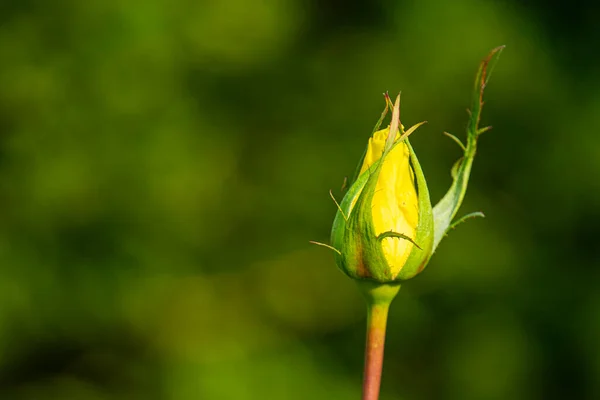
x=379, y=297
x=376, y=324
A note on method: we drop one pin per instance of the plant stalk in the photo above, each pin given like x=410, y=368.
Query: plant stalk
x=376, y=324
x=379, y=297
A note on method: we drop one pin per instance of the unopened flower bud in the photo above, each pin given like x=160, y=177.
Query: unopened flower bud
x=383, y=229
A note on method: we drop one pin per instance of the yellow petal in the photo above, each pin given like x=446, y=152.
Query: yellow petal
x=375, y=148
x=395, y=205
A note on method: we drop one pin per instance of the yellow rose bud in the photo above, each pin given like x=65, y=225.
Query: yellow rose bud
x=383, y=230
x=395, y=206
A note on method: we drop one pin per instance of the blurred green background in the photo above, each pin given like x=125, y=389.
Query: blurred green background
x=163, y=166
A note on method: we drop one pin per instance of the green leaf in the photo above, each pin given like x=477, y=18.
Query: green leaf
x=445, y=210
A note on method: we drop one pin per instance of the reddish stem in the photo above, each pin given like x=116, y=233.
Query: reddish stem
x=376, y=325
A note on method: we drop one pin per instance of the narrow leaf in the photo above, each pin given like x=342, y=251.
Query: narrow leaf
x=445, y=210
x=492, y=61
x=481, y=81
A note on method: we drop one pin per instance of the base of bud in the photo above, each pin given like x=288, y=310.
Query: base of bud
x=378, y=293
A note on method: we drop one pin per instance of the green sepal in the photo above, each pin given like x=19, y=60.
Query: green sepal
x=418, y=258
x=445, y=210
x=361, y=229
x=349, y=260
x=375, y=129
x=392, y=234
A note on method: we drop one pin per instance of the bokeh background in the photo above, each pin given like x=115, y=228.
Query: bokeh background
x=163, y=165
